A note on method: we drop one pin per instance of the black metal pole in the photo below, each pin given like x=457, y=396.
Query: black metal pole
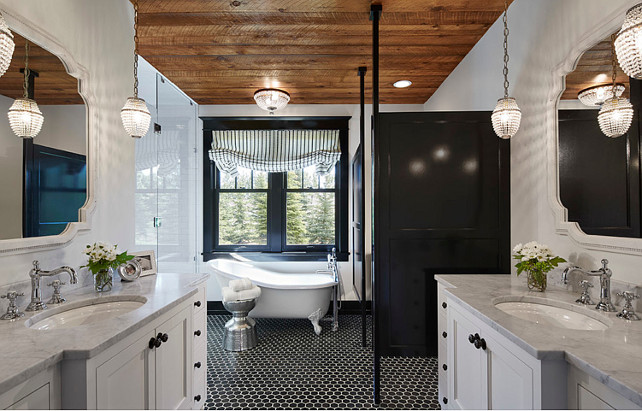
x=362, y=217
x=375, y=15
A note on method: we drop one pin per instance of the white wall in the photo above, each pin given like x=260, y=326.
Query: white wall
x=352, y=110
x=543, y=34
x=99, y=34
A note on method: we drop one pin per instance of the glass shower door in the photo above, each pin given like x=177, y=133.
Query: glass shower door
x=176, y=179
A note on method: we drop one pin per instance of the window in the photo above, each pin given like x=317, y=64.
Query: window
x=298, y=215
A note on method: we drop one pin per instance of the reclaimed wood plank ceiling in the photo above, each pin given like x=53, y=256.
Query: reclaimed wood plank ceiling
x=594, y=68
x=52, y=86
x=222, y=51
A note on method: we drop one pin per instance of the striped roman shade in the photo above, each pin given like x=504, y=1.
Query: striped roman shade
x=274, y=151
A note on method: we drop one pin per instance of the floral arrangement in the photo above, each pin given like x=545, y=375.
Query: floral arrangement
x=537, y=260
x=102, y=259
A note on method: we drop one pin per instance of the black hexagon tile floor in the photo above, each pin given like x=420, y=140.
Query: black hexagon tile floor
x=293, y=368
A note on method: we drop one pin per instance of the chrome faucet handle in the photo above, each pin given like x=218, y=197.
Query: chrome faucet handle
x=12, y=310
x=628, y=313
x=56, y=298
x=585, y=298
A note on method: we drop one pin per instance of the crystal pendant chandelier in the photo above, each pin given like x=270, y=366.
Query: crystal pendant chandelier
x=616, y=114
x=135, y=114
x=507, y=116
x=628, y=43
x=596, y=96
x=271, y=99
x=7, y=45
x=24, y=115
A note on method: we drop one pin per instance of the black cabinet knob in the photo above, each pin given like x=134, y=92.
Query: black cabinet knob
x=480, y=343
x=444, y=334
x=162, y=337
x=445, y=367
x=197, y=365
x=154, y=343
x=197, y=333
x=471, y=338
x=444, y=400
x=197, y=398
x=444, y=304
x=197, y=304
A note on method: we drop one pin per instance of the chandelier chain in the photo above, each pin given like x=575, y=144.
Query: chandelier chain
x=25, y=85
x=136, y=48
x=614, y=63
x=506, y=57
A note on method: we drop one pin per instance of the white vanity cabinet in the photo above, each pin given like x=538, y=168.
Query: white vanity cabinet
x=495, y=373
x=587, y=393
x=41, y=392
x=153, y=368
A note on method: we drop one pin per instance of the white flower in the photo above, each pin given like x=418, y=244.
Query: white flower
x=518, y=248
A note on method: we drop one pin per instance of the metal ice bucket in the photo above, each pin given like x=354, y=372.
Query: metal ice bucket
x=240, y=333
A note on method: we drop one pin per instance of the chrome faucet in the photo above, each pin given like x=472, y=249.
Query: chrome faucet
x=605, y=274
x=36, y=303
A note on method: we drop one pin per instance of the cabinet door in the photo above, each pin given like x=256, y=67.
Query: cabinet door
x=510, y=380
x=174, y=363
x=126, y=381
x=467, y=366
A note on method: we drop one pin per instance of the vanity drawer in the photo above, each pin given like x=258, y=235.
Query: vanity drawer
x=199, y=300
x=199, y=382
x=200, y=327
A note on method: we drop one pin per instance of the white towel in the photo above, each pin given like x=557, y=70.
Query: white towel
x=240, y=284
x=231, y=295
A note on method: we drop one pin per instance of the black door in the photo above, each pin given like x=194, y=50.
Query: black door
x=442, y=205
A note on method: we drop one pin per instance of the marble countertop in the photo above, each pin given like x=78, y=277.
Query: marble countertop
x=27, y=352
x=613, y=356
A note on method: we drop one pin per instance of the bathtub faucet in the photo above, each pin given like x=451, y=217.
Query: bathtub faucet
x=332, y=266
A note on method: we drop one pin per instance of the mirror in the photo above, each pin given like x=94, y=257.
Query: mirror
x=44, y=179
x=599, y=177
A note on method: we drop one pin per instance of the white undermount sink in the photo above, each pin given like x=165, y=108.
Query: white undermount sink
x=84, y=312
x=553, y=315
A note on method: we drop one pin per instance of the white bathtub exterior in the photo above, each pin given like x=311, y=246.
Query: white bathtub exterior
x=286, y=290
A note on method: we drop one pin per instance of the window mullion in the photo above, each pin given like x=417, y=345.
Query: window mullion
x=276, y=210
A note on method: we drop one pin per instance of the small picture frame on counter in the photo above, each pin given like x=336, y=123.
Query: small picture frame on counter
x=147, y=262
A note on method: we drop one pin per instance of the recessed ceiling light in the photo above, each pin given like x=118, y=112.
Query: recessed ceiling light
x=402, y=83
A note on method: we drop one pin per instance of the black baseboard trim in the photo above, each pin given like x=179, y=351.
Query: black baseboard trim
x=347, y=308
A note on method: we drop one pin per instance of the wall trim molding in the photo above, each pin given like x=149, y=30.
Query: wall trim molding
x=621, y=245
x=21, y=24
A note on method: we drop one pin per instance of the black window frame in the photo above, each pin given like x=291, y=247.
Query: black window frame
x=276, y=248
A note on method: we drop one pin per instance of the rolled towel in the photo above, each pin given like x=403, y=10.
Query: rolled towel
x=250, y=294
x=231, y=295
x=240, y=284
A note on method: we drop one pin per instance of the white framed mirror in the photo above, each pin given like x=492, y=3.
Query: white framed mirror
x=47, y=181
x=603, y=225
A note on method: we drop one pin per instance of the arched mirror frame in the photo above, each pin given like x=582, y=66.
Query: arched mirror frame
x=564, y=227
x=22, y=25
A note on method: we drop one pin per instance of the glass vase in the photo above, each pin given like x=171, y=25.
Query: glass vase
x=536, y=281
x=103, y=280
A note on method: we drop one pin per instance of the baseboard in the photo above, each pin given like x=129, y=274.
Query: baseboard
x=347, y=308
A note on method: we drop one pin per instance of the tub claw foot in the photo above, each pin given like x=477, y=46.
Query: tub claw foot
x=314, y=319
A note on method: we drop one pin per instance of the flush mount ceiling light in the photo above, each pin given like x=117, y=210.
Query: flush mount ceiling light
x=402, y=83
x=628, y=43
x=135, y=114
x=24, y=115
x=597, y=95
x=507, y=116
x=271, y=99
x=7, y=45
x=616, y=114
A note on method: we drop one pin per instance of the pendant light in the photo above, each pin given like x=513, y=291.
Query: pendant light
x=135, y=114
x=7, y=45
x=507, y=116
x=271, y=99
x=24, y=115
x=628, y=43
x=595, y=96
x=616, y=114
